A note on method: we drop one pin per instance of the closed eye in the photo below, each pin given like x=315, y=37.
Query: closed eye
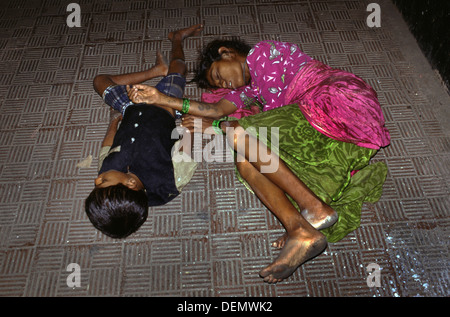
x=214, y=76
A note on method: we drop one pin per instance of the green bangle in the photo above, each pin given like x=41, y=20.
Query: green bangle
x=186, y=105
x=216, y=126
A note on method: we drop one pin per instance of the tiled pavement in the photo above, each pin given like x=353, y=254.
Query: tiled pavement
x=214, y=238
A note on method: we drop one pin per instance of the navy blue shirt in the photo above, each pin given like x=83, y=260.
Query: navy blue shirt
x=145, y=140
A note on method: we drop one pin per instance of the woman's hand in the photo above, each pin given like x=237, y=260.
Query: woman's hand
x=197, y=124
x=143, y=94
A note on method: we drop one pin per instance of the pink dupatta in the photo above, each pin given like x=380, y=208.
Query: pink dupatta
x=339, y=104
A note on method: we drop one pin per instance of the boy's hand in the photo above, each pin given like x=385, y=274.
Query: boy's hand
x=115, y=116
x=114, y=120
x=143, y=94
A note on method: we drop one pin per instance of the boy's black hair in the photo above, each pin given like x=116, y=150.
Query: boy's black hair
x=117, y=211
x=210, y=54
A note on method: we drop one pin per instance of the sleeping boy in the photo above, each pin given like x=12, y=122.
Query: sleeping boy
x=137, y=168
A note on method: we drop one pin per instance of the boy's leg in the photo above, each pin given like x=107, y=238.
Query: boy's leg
x=177, y=62
x=174, y=83
x=101, y=82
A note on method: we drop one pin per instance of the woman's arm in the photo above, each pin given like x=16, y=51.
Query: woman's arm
x=150, y=95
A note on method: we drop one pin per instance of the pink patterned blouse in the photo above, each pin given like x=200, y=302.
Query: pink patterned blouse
x=272, y=66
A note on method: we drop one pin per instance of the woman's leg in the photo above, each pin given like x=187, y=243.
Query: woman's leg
x=302, y=242
x=316, y=212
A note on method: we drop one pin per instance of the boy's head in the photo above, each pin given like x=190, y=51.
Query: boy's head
x=117, y=210
x=216, y=51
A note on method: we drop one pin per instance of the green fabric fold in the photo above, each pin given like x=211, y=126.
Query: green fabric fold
x=323, y=164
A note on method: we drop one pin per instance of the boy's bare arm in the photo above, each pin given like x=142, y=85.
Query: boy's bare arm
x=150, y=95
x=111, y=132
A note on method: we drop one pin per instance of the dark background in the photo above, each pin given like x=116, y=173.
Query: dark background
x=429, y=22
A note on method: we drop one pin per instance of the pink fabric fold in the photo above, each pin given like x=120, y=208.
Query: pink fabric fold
x=339, y=104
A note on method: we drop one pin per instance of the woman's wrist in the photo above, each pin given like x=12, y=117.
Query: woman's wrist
x=219, y=126
x=186, y=105
x=216, y=126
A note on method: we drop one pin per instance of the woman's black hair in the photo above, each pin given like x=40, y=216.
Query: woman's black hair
x=117, y=211
x=210, y=54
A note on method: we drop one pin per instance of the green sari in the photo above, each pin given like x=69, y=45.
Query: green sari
x=323, y=164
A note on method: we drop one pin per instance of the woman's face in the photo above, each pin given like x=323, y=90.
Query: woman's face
x=231, y=71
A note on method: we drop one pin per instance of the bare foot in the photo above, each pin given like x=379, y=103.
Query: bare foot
x=297, y=249
x=322, y=218
x=161, y=67
x=193, y=30
x=279, y=243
